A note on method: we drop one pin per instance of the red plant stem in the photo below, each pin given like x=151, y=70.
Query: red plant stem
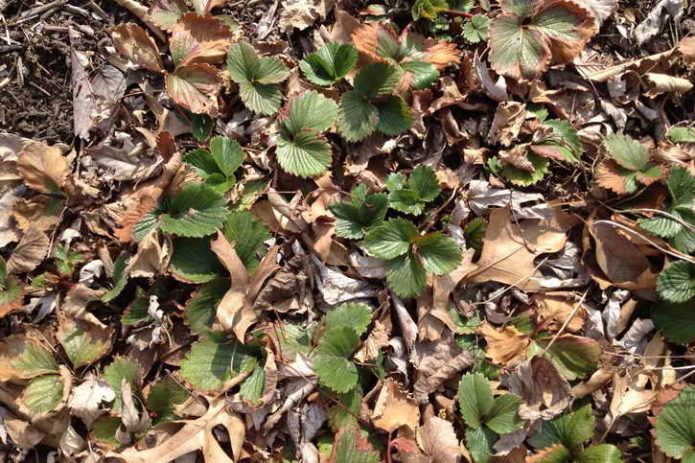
x=458, y=13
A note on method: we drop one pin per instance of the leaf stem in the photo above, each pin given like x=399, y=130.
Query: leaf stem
x=457, y=13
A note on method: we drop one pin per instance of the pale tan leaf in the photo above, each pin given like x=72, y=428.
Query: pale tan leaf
x=43, y=167
x=135, y=44
x=199, y=39
x=29, y=253
x=506, y=346
x=437, y=439
x=393, y=409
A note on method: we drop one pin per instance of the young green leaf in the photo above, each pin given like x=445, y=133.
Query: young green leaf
x=248, y=234
x=406, y=275
x=675, y=426
x=677, y=282
x=439, y=253
x=391, y=239
x=475, y=29
x=212, y=362
x=357, y=116
x=218, y=165
x=411, y=195
x=681, y=134
x=257, y=78
x=305, y=155
x=475, y=399
x=121, y=369
x=356, y=316
x=201, y=309
x=196, y=211
x=332, y=359
x=571, y=430
x=310, y=111
x=364, y=211
x=519, y=176
x=66, y=259
x=675, y=321
x=193, y=261
x=329, y=64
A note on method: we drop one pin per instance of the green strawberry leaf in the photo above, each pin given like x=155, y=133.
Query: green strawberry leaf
x=439, y=253
x=196, y=211
x=136, y=312
x=406, y=275
x=252, y=388
x=411, y=195
x=43, y=394
x=570, y=429
x=212, y=362
x=83, y=344
x=193, y=261
x=475, y=399
x=661, y=226
x=34, y=361
x=675, y=321
x=201, y=309
x=248, y=234
x=351, y=447
x=677, y=282
x=121, y=369
x=121, y=274
x=627, y=152
x=391, y=239
x=201, y=126
x=394, y=115
x=363, y=212
x=329, y=64
x=305, y=155
x=681, y=135
x=355, y=316
x=332, y=361
x=479, y=442
x=675, y=426
x=428, y=9
x=423, y=73
x=602, y=453
x=475, y=29
x=257, y=78
x=311, y=110
x=357, y=116
x=574, y=356
x=503, y=417
x=555, y=454
x=377, y=79
x=519, y=176
x=163, y=398
x=681, y=186
x=561, y=144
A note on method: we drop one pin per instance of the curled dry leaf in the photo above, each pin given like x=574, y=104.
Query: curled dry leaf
x=43, y=167
x=393, y=409
x=134, y=43
x=195, y=87
x=199, y=39
x=506, y=346
x=545, y=393
x=29, y=253
x=88, y=396
x=195, y=435
x=437, y=439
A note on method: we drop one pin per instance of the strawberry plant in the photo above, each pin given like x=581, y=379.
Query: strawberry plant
x=628, y=166
x=674, y=426
x=329, y=64
x=410, y=195
x=217, y=165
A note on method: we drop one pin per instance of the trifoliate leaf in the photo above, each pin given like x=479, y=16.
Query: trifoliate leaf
x=332, y=359
x=163, y=398
x=391, y=239
x=519, y=176
x=196, y=211
x=602, y=453
x=627, y=152
x=43, y=394
x=121, y=273
x=224, y=158
x=681, y=134
x=305, y=155
x=405, y=275
x=376, y=79
x=428, y=8
x=193, y=261
x=394, y=115
x=248, y=234
x=351, y=447
x=356, y=316
x=357, y=116
x=479, y=442
x=423, y=74
x=329, y=64
x=475, y=29
x=120, y=370
x=34, y=361
x=439, y=253
x=503, y=417
x=570, y=429
x=475, y=399
x=411, y=195
x=201, y=309
x=210, y=363
x=675, y=321
x=364, y=211
x=677, y=282
x=256, y=77
x=675, y=426
x=293, y=339
x=311, y=110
